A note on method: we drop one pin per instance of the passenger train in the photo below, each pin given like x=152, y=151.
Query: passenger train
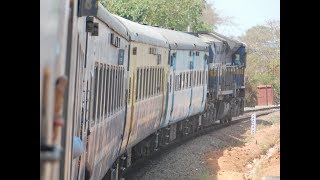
x=113, y=91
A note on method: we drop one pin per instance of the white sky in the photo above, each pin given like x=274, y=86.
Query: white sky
x=245, y=14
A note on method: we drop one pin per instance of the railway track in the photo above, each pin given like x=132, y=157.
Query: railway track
x=247, y=115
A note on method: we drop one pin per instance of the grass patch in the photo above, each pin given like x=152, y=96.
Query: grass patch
x=205, y=175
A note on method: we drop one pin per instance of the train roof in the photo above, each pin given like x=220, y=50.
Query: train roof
x=233, y=44
x=143, y=33
x=111, y=21
x=208, y=38
x=181, y=40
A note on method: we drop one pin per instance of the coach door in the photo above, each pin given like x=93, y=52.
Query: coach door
x=80, y=112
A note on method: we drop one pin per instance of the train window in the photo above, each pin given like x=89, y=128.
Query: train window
x=113, y=89
x=147, y=82
x=134, y=51
x=150, y=81
x=153, y=50
x=118, y=90
x=187, y=80
x=158, y=59
x=175, y=82
x=178, y=82
x=190, y=78
x=96, y=78
x=189, y=85
x=153, y=82
x=137, y=85
x=203, y=77
x=181, y=82
x=194, y=78
x=200, y=72
x=198, y=78
x=104, y=91
x=159, y=81
x=140, y=84
x=107, y=90
x=144, y=83
x=100, y=92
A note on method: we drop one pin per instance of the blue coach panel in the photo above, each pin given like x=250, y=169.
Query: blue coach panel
x=147, y=72
x=187, y=84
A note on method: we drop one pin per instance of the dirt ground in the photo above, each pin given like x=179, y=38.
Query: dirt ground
x=228, y=153
x=258, y=156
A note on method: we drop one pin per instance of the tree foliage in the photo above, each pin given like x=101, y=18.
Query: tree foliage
x=177, y=14
x=263, y=59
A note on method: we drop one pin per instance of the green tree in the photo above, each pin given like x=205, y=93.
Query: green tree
x=177, y=14
x=263, y=59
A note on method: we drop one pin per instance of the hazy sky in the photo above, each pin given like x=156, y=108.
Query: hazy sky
x=245, y=13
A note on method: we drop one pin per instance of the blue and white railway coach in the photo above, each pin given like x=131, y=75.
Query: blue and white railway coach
x=187, y=76
x=146, y=92
x=99, y=96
